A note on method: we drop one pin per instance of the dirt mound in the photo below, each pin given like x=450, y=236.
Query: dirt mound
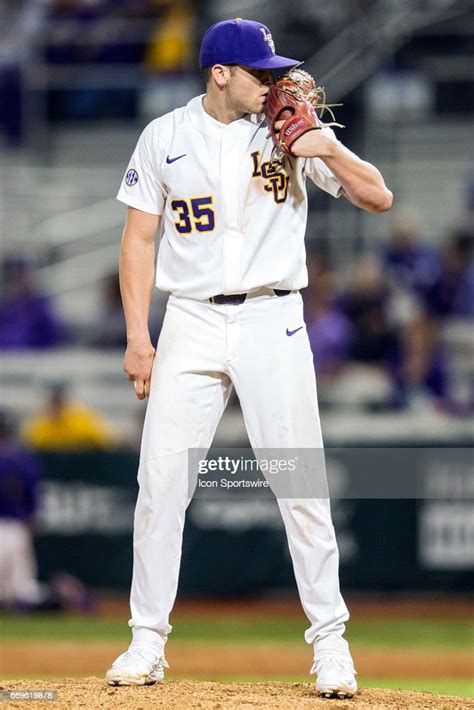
x=93, y=693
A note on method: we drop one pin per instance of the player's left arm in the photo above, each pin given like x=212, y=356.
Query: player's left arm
x=362, y=183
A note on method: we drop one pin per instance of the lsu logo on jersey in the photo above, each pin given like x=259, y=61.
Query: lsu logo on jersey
x=274, y=174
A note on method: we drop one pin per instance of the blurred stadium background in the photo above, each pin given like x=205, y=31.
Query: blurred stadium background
x=389, y=309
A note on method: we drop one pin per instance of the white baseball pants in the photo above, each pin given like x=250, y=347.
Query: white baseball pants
x=202, y=351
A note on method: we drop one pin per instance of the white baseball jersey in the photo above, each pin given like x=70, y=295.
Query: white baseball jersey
x=232, y=220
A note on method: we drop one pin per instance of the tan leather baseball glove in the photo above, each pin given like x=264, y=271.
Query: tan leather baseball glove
x=294, y=99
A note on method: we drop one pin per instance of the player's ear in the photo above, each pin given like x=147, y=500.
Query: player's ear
x=221, y=74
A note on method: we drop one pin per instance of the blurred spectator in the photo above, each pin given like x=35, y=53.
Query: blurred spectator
x=85, y=32
x=68, y=22
x=169, y=60
x=329, y=331
x=65, y=425
x=109, y=330
x=170, y=46
x=365, y=304
x=19, y=479
x=27, y=318
x=20, y=22
x=20, y=590
x=142, y=9
x=452, y=293
x=411, y=264
x=419, y=367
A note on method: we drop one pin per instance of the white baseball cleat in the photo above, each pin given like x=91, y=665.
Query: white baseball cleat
x=142, y=664
x=335, y=676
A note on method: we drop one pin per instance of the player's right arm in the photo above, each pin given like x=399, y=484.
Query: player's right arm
x=137, y=268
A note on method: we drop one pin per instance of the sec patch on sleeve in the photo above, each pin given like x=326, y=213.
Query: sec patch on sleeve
x=131, y=178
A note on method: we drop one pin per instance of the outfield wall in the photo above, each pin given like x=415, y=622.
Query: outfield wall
x=238, y=545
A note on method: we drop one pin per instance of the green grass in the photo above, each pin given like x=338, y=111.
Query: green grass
x=399, y=633
x=442, y=634
x=440, y=686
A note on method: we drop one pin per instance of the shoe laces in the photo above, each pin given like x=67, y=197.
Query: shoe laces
x=333, y=663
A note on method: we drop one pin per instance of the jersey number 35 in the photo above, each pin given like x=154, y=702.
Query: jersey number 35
x=194, y=215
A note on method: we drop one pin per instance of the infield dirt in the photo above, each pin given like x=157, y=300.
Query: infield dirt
x=85, y=658
x=94, y=694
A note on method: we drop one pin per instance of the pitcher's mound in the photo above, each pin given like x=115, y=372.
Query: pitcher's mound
x=93, y=693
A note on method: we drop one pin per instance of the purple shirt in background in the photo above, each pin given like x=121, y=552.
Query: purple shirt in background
x=416, y=268
x=435, y=382
x=28, y=321
x=452, y=294
x=19, y=479
x=330, y=335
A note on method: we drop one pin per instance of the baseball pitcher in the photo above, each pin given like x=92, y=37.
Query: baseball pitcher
x=223, y=181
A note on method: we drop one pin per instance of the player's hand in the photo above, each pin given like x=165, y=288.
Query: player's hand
x=312, y=144
x=138, y=364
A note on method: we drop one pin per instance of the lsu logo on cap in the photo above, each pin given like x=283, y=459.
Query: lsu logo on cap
x=131, y=178
x=268, y=38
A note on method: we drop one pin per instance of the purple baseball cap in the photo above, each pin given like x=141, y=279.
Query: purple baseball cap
x=242, y=42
